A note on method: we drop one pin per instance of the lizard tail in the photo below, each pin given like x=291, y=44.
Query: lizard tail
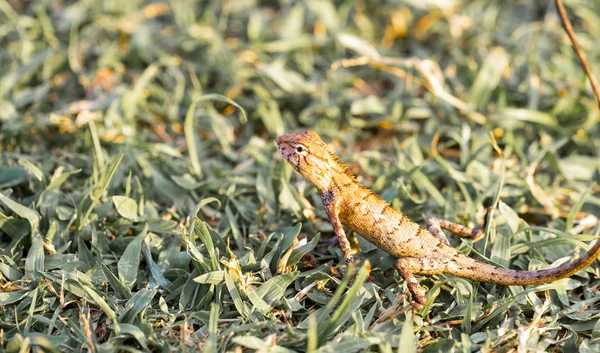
x=473, y=269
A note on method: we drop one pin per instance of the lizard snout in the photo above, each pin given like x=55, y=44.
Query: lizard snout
x=282, y=146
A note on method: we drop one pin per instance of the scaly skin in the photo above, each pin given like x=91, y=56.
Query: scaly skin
x=349, y=203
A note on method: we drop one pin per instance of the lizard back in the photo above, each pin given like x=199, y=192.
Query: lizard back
x=367, y=214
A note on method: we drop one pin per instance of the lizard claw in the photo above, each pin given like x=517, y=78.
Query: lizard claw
x=349, y=261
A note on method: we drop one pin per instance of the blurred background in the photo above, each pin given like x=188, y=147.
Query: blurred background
x=136, y=67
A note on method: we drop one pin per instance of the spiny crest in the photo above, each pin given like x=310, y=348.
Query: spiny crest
x=333, y=156
x=337, y=161
x=314, y=139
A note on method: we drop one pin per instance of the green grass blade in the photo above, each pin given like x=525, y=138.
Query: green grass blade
x=34, y=265
x=211, y=343
x=130, y=261
x=32, y=216
x=235, y=296
x=349, y=297
x=407, y=336
x=95, y=194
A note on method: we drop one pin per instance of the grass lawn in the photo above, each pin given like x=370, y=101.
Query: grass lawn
x=144, y=206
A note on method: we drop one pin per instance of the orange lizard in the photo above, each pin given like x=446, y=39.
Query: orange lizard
x=420, y=250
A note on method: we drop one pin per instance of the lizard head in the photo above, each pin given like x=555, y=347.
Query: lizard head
x=309, y=156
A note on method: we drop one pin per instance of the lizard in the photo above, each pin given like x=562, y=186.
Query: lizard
x=419, y=250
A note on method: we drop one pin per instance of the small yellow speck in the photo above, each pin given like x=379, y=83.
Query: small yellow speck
x=177, y=128
x=386, y=125
x=155, y=9
x=248, y=56
x=228, y=111
x=498, y=132
x=399, y=22
x=66, y=129
x=235, y=91
x=232, y=42
x=319, y=29
x=113, y=137
x=580, y=133
x=358, y=83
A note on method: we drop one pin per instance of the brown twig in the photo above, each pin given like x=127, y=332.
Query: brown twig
x=569, y=29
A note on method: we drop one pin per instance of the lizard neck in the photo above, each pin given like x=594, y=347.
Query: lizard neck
x=341, y=179
x=331, y=175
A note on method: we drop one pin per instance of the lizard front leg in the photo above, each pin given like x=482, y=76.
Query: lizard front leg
x=330, y=203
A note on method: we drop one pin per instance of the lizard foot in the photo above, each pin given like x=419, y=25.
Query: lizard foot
x=339, y=270
x=417, y=306
x=394, y=311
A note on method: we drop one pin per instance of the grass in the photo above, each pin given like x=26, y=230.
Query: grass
x=144, y=207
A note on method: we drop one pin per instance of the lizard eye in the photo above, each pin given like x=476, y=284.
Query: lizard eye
x=300, y=149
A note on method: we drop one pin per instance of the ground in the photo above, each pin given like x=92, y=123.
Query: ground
x=144, y=206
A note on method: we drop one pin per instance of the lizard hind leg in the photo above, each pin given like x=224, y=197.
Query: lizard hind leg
x=435, y=226
x=409, y=266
